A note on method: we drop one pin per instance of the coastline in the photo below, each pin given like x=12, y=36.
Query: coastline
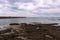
x=48, y=31
x=10, y=17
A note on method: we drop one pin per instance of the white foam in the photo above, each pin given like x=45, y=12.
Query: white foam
x=3, y=28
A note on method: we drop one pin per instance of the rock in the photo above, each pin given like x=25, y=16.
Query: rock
x=25, y=31
x=34, y=23
x=14, y=24
x=48, y=36
x=50, y=24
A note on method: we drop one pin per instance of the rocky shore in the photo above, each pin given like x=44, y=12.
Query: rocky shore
x=30, y=31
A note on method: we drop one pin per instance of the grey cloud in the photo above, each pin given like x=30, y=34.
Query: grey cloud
x=13, y=1
x=16, y=9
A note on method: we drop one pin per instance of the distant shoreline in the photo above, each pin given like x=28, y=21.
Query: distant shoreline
x=11, y=17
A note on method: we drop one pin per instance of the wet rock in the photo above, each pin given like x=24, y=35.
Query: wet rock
x=14, y=24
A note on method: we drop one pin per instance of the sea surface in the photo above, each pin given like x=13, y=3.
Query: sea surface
x=30, y=19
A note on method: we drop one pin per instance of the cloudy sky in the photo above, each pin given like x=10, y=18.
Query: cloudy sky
x=30, y=8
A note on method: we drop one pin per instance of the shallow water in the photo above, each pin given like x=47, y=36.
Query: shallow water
x=31, y=19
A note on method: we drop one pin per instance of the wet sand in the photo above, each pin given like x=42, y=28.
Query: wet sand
x=34, y=31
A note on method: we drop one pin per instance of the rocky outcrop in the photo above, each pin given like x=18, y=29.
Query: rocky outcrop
x=14, y=24
x=24, y=31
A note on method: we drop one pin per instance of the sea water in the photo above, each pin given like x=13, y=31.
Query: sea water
x=30, y=19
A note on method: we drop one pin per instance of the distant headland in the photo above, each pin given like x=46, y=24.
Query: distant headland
x=3, y=17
